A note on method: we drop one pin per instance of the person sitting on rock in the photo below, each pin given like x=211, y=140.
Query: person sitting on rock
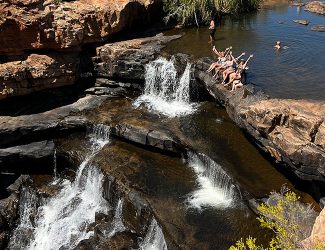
x=230, y=66
x=236, y=78
x=222, y=58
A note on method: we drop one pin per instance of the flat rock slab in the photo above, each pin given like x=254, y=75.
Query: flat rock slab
x=318, y=28
x=28, y=128
x=301, y=21
x=28, y=158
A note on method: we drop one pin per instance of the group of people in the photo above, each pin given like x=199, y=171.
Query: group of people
x=230, y=69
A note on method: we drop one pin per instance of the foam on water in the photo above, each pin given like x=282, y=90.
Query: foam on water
x=215, y=186
x=164, y=92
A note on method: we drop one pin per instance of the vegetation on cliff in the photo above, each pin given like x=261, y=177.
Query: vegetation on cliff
x=290, y=220
x=188, y=12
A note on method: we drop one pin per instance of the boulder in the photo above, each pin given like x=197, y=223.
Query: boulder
x=126, y=60
x=148, y=137
x=29, y=158
x=318, y=233
x=37, y=72
x=317, y=7
x=39, y=24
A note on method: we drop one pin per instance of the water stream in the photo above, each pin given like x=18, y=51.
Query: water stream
x=154, y=239
x=165, y=92
x=62, y=221
x=215, y=185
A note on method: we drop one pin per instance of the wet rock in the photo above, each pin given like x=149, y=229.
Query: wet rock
x=3, y=239
x=126, y=60
x=22, y=180
x=27, y=158
x=102, y=82
x=37, y=72
x=28, y=128
x=318, y=28
x=8, y=210
x=147, y=137
x=111, y=92
x=121, y=240
x=291, y=131
x=87, y=244
x=302, y=21
x=317, y=7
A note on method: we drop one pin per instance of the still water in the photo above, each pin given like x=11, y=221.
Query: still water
x=296, y=72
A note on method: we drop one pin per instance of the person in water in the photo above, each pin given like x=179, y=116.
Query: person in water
x=277, y=45
x=212, y=29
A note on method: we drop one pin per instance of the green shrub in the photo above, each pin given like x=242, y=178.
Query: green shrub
x=197, y=11
x=290, y=220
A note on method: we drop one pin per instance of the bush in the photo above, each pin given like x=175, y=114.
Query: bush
x=197, y=11
x=290, y=220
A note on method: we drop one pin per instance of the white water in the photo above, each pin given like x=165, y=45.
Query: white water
x=215, y=186
x=164, y=92
x=154, y=239
x=63, y=220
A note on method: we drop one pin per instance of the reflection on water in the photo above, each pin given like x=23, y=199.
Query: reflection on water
x=296, y=72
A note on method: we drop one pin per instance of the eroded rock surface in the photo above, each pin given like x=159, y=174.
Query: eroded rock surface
x=38, y=72
x=291, y=131
x=127, y=59
x=28, y=128
x=40, y=24
x=317, y=7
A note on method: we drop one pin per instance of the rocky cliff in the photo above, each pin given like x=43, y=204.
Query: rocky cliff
x=41, y=41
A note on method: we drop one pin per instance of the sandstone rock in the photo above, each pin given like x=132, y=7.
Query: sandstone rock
x=318, y=233
x=126, y=60
x=291, y=131
x=40, y=24
x=27, y=158
x=147, y=137
x=317, y=7
x=37, y=72
x=8, y=209
x=318, y=28
x=302, y=21
x=21, y=129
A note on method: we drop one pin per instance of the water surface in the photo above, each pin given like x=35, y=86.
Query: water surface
x=296, y=72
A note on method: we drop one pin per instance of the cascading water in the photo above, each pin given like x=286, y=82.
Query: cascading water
x=63, y=220
x=154, y=239
x=215, y=185
x=164, y=92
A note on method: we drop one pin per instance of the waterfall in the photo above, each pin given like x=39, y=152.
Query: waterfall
x=63, y=221
x=164, y=91
x=54, y=165
x=216, y=188
x=117, y=223
x=154, y=239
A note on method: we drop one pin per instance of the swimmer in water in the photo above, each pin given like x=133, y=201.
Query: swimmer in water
x=277, y=45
